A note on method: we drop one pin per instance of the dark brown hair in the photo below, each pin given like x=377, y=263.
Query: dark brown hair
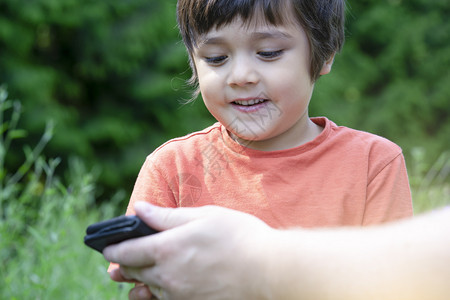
x=322, y=20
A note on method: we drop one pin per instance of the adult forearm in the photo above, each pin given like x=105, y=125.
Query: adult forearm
x=405, y=260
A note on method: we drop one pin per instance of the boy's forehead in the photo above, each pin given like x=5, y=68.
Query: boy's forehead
x=259, y=33
x=256, y=28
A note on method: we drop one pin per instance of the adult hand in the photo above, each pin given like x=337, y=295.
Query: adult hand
x=201, y=253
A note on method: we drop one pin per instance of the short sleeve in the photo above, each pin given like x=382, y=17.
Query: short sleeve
x=151, y=186
x=389, y=194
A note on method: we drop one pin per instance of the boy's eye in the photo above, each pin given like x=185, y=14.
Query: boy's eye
x=270, y=54
x=216, y=60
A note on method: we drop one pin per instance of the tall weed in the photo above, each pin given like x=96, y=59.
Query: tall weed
x=430, y=185
x=42, y=224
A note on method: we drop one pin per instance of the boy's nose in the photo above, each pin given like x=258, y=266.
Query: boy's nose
x=242, y=73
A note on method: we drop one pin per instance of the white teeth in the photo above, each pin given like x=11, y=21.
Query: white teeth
x=249, y=102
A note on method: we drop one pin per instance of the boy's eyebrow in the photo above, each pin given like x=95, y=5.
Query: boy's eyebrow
x=270, y=35
x=214, y=40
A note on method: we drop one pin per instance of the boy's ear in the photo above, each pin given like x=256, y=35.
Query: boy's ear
x=326, y=68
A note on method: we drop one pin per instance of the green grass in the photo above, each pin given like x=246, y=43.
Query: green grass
x=42, y=252
x=45, y=258
x=430, y=184
x=42, y=222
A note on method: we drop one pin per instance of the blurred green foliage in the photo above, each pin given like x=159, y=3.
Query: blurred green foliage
x=111, y=74
x=393, y=77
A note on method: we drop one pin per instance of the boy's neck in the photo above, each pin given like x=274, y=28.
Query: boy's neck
x=309, y=132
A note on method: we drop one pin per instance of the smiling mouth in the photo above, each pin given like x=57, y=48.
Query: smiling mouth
x=249, y=102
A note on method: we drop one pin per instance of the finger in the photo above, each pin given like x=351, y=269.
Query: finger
x=164, y=218
x=116, y=275
x=140, y=292
x=132, y=253
x=152, y=277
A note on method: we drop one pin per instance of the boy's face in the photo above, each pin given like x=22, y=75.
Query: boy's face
x=255, y=80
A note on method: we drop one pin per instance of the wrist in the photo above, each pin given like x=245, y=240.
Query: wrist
x=298, y=265
x=284, y=265
x=259, y=264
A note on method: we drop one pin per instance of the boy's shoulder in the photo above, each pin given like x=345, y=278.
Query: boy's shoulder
x=190, y=142
x=362, y=141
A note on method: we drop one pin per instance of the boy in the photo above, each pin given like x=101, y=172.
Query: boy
x=256, y=63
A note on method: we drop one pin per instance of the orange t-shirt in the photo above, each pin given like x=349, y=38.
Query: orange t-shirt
x=342, y=177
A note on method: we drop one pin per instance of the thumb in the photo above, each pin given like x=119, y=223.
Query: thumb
x=164, y=218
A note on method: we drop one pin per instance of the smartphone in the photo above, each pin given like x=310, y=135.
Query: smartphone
x=113, y=231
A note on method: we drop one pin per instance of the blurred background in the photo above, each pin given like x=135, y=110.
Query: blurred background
x=111, y=75
x=89, y=88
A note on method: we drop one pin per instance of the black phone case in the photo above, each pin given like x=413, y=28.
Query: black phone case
x=105, y=233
